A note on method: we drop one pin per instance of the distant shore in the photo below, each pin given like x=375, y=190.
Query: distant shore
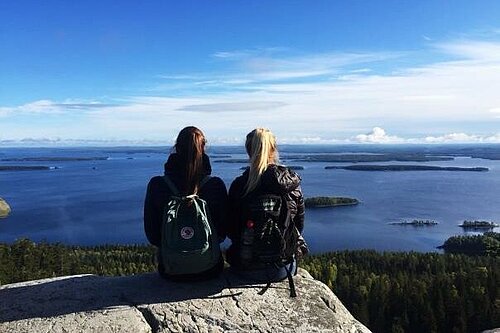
x=54, y=159
x=25, y=167
x=402, y=167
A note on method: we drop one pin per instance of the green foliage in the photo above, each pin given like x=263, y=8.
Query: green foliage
x=486, y=244
x=24, y=260
x=329, y=201
x=413, y=292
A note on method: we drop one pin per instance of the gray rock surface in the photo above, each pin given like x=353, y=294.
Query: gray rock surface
x=146, y=303
x=4, y=209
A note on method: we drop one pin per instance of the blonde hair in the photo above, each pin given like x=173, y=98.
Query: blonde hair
x=262, y=150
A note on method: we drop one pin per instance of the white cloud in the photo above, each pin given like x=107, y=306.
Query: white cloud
x=51, y=107
x=261, y=65
x=483, y=51
x=377, y=135
x=494, y=110
x=361, y=70
x=232, y=107
x=463, y=138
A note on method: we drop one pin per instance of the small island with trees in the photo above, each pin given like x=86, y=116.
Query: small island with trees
x=476, y=224
x=416, y=223
x=321, y=202
x=487, y=244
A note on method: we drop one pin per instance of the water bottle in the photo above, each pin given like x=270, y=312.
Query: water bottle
x=247, y=241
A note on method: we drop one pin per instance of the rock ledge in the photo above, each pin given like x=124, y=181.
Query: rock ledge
x=147, y=304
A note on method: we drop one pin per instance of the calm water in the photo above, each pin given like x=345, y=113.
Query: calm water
x=95, y=202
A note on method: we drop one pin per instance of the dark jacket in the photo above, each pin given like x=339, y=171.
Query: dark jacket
x=277, y=180
x=158, y=193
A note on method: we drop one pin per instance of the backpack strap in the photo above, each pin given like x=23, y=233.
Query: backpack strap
x=289, y=274
x=205, y=180
x=174, y=189
x=171, y=185
x=293, y=293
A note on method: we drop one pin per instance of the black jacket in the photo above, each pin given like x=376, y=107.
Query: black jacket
x=276, y=179
x=157, y=195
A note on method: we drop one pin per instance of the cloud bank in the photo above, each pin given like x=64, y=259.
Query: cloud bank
x=331, y=97
x=376, y=136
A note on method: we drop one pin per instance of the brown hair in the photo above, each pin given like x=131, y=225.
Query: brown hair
x=190, y=146
x=262, y=150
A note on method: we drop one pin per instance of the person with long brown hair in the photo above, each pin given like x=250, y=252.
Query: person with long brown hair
x=276, y=190
x=187, y=171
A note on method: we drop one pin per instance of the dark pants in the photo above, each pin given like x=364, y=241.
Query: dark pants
x=268, y=274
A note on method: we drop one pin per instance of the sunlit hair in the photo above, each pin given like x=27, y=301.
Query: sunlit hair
x=190, y=146
x=262, y=150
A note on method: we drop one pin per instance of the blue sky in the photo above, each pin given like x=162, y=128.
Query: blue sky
x=312, y=71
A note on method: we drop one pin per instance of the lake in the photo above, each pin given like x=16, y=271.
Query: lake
x=88, y=202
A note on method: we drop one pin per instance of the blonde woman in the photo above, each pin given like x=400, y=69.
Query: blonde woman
x=266, y=213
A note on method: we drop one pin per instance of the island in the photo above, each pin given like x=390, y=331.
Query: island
x=403, y=167
x=372, y=157
x=4, y=209
x=416, y=223
x=476, y=224
x=321, y=202
x=487, y=244
x=54, y=159
x=219, y=156
x=25, y=167
x=295, y=167
x=232, y=160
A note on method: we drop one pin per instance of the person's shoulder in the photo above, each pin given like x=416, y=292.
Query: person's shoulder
x=156, y=183
x=238, y=184
x=215, y=181
x=156, y=180
x=241, y=179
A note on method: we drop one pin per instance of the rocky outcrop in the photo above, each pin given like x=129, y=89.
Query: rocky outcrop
x=146, y=303
x=4, y=208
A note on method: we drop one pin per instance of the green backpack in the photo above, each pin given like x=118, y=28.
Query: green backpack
x=189, y=242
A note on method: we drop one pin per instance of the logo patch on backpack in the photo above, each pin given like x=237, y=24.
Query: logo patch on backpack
x=187, y=233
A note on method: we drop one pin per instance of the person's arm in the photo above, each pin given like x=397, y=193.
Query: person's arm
x=216, y=196
x=234, y=211
x=152, y=217
x=299, y=217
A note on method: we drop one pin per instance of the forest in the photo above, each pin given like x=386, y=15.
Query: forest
x=388, y=292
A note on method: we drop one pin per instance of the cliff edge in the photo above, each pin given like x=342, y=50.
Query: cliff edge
x=147, y=304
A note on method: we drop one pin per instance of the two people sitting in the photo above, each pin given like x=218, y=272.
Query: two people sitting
x=188, y=213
